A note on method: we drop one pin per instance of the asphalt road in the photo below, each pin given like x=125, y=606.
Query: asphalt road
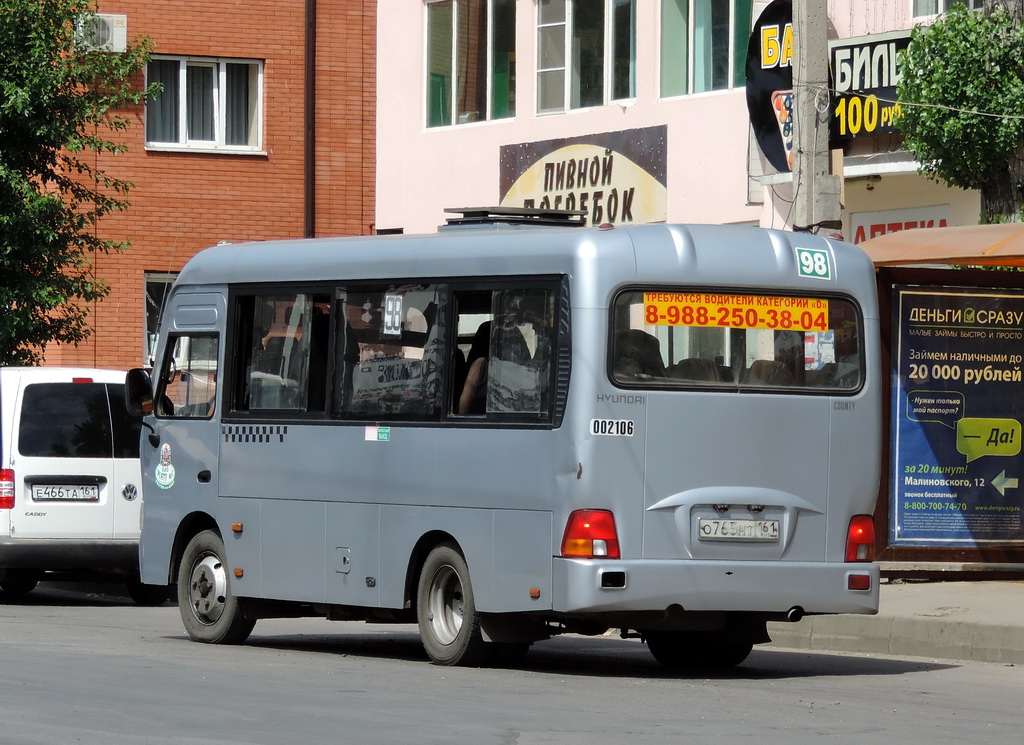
x=85, y=666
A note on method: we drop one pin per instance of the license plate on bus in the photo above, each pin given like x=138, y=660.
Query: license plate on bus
x=724, y=529
x=65, y=492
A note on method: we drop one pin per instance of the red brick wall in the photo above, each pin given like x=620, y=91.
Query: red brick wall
x=185, y=201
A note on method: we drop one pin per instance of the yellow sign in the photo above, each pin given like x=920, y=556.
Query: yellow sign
x=705, y=309
x=606, y=185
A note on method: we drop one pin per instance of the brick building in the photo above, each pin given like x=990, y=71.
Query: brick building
x=242, y=145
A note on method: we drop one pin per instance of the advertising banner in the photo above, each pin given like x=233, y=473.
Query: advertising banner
x=868, y=225
x=956, y=417
x=865, y=72
x=769, y=84
x=614, y=177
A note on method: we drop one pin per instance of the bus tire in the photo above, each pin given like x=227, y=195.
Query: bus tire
x=209, y=612
x=147, y=595
x=446, y=610
x=19, y=581
x=691, y=650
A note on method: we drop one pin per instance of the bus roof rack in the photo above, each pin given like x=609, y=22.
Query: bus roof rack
x=482, y=216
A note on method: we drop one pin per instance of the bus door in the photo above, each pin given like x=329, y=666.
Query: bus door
x=184, y=459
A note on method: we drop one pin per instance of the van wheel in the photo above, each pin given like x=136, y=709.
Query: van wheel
x=19, y=581
x=694, y=650
x=209, y=611
x=147, y=595
x=448, y=620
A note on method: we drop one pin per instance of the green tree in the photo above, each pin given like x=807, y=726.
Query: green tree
x=59, y=104
x=962, y=103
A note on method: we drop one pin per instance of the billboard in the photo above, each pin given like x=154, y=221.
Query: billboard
x=956, y=417
x=615, y=177
x=865, y=73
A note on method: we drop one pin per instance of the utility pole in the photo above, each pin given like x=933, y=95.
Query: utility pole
x=815, y=190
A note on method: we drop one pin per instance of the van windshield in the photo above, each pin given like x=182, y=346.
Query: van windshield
x=735, y=340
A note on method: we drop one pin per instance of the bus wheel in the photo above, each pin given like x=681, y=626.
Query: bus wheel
x=19, y=581
x=689, y=650
x=449, y=623
x=209, y=611
x=147, y=595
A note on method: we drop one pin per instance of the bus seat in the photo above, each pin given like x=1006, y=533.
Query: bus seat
x=769, y=372
x=823, y=378
x=695, y=369
x=637, y=354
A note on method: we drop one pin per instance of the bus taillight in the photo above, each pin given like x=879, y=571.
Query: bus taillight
x=6, y=489
x=860, y=540
x=590, y=534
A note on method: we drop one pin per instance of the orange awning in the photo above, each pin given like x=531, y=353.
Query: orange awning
x=968, y=244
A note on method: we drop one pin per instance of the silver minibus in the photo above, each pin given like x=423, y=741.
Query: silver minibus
x=504, y=432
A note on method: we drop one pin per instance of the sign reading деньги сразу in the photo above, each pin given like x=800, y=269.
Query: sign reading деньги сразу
x=956, y=417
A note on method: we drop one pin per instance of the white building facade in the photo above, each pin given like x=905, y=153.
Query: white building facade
x=628, y=110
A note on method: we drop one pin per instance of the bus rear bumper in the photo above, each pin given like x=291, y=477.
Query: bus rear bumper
x=609, y=586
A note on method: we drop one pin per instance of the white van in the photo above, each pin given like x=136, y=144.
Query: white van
x=70, y=502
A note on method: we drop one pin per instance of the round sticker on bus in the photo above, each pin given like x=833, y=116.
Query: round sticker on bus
x=164, y=473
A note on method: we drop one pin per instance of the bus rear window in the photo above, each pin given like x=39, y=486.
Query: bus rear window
x=735, y=340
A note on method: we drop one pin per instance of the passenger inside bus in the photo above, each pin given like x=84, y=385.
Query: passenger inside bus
x=637, y=356
x=473, y=398
x=507, y=345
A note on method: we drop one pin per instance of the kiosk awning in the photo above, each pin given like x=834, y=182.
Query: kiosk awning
x=967, y=244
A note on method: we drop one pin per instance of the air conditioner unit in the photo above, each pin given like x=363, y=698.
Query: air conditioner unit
x=102, y=32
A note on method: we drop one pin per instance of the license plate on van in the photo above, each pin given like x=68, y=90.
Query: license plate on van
x=65, y=492
x=723, y=529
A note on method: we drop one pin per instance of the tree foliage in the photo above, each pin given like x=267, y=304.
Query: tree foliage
x=59, y=106
x=962, y=101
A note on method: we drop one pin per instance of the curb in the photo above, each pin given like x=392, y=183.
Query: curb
x=913, y=636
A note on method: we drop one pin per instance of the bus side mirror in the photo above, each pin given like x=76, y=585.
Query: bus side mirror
x=138, y=393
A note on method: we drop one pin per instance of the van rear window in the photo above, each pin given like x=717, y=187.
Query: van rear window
x=65, y=420
x=735, y=340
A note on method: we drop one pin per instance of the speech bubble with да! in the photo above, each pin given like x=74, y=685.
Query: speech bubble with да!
x=976, y=437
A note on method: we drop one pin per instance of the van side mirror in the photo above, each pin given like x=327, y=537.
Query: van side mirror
x=138, y=392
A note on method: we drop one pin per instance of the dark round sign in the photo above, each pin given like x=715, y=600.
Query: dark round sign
x=770, y=83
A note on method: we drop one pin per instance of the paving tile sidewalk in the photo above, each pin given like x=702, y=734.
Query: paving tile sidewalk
x=977, y=620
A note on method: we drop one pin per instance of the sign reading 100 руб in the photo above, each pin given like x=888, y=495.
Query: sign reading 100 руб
x=956, y=417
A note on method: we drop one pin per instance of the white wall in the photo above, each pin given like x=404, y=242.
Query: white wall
x=421, y=171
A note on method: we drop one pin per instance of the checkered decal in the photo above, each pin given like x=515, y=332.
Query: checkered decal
x=254, y=432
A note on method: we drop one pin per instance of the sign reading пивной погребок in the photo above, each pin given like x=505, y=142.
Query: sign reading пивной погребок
x=956, y=417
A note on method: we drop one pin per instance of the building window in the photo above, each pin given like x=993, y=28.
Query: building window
x=586, y=53
x=158, y=287
x=703, y=45
x=934, y=7
x=205, y=104
x=471, y=61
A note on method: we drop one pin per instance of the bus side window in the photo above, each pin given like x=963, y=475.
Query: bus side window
x=281, y=356
x=388, y=352
x=188, y=381
x=508, y=361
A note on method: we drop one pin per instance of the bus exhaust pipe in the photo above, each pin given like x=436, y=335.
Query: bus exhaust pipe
x=795, y=614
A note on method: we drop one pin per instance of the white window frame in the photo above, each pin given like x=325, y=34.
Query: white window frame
x=942, y=6
x=219, y=142
x=454, y=116
x=569, y=71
